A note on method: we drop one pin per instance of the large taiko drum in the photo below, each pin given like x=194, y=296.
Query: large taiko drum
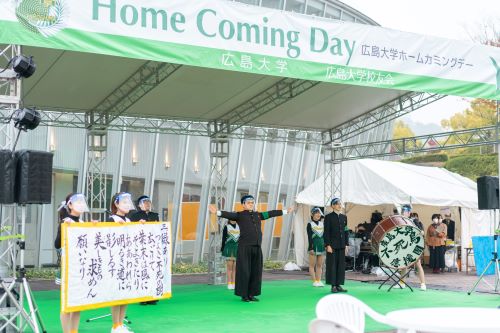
x=397, y=242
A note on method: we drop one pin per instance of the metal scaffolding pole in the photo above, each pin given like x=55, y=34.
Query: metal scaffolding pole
x=219, y=171
x=97, y=144
x=333, y=167
x=10, y=100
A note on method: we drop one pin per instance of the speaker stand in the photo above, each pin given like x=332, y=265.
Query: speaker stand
x=10, y=294
x=494, y=261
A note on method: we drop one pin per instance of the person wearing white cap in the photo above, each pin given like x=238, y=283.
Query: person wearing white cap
x=316, y=248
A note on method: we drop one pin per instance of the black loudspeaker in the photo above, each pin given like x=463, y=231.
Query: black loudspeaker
x=7, y=177
x=33, y=177
x=487, y=192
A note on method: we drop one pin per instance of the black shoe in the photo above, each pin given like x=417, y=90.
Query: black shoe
x=253, y=299
x=334, y=290
x=152, y=302
x=341, y=290
x=245, y=299
x=144, y=303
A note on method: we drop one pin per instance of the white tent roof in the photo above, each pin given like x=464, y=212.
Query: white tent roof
x=375, y=182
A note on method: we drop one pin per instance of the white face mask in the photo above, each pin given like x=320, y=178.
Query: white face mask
x=435, y=220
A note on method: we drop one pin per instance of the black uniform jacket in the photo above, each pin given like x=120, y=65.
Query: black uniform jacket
x=142, y=215
x=250, y=224
x=336, y=233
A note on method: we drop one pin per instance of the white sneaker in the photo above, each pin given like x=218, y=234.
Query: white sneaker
x=229, y=286
x=320, y=284
x=423, y=287
x=125, y=329
x=232, y=286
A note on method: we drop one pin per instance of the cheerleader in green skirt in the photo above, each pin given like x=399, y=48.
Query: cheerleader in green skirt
x=316, y=246
x=230, y=237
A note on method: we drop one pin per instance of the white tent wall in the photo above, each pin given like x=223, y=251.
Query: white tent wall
x=475, y=223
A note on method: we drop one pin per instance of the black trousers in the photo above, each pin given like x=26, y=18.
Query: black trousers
x=436, y=259
x=335, y=267
x=248, y=271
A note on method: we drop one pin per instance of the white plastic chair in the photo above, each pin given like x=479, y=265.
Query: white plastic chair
x=328, y=326
x=347, y=311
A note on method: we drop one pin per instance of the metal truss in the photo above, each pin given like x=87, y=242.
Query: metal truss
x=77, y=119
x=10, y=99
x=333, y=170
x=145, y=79
x=279, y=93
x=382, y=114
x=418, y=144
x=219, y=173
x=97, y=122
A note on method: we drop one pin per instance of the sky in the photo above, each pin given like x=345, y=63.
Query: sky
x=453, y=19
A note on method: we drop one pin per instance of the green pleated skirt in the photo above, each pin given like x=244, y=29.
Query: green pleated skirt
x=230, y=250
x=318, y=245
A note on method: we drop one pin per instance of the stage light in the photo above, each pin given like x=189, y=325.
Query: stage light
x=26, y=119
x=23, y=66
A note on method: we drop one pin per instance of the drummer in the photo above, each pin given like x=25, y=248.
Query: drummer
x=406, y=212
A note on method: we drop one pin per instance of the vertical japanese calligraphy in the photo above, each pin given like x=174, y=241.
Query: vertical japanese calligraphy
x=401, y=246
x=108, y=264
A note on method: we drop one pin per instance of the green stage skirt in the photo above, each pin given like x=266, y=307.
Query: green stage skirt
x=230, y=250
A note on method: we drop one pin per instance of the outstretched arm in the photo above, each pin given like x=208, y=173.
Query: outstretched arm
x=227, y=215
x=273, y=213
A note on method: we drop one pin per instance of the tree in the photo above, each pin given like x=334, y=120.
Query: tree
x=401, y=130
x=481, y=113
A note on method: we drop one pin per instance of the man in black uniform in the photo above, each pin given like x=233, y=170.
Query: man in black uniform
x=249, y=258
x=336, y=236
x=450, y=224
x=144, y=214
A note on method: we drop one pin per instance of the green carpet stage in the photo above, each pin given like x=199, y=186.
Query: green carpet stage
x=285, y=306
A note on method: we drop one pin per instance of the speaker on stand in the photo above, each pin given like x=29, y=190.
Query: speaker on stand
x=487, y=198
x=32, y=175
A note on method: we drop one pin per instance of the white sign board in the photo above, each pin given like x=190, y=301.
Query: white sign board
x=107, y=264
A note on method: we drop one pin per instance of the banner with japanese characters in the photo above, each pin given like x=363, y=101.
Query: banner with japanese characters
x=107, y=264
x=237, y=37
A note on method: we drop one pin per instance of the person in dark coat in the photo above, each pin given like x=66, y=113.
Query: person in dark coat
x=249, y=259
x=336, y=236
x=144, y=214
x=450, y=224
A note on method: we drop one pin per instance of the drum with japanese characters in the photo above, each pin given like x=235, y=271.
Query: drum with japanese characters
x=398, y=242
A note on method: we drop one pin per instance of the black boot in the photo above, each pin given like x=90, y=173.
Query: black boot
x=334, y=290
x=340, y=289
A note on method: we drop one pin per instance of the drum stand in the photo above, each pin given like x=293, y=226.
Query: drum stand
x=396, y=278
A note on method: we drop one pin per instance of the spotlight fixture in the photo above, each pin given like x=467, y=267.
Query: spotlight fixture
x=26, y=119
x=22, y=65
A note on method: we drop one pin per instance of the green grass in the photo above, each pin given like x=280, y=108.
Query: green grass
x=285, y=306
